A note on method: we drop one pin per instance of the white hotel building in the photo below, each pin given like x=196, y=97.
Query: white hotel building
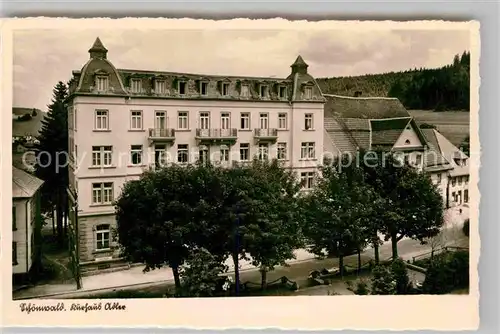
x=122, y=121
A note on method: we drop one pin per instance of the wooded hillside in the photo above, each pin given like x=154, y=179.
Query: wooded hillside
x=446, y=88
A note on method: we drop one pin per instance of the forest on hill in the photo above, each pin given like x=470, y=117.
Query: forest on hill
x=445, y=88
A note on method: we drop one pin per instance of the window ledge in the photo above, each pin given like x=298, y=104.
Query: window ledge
x=136, y=130
x=309, y=159
x=138, y=165
x=103, y=250
x=103, y=130
x=308, y=130
x=182, y=130
x=283, y=129
x=245, y=130
x=102, y=167
x=100, y=205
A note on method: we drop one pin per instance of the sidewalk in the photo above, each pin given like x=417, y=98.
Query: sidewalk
x=135, y=276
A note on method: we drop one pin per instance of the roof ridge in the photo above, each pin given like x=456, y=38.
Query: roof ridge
x=362, y=97
x=388, y=119
x=199, y=74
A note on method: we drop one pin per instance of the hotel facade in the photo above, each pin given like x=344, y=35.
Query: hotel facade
x=122, y=122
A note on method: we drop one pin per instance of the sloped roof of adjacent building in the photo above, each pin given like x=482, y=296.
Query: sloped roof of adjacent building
x=364, y=107
x=30, y=127
x=24, y=185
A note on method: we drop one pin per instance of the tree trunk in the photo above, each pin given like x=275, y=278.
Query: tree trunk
x=394, y=243
x=359, y=261
x=53, y=223
x=263, y=278
x=376, y=251
x=236, y=274
x=59, y=218
x=177, y=280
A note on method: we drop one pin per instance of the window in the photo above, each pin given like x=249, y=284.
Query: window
x=282, y=121
x=281, y=151
x=136, y=120
x=102, y=83
x=263, y=90
x=14, y=253
x=102, y=193
x=453, y=181
x=203, y=154
x=14, y=218
x=224, y=120
x=101, y=155
x=466, y=196
x=308, y=121
x=244, y=152
x=136, y=154
x=204, y=120
x=307, y=180
x=225, y=89
x=459, y=197
x=438, y=180
x=102, y=236
x=245, y=92
x=418, y=160
x=204, y=88
x=160, y=87
x=160, y=120
x=182, y=153
x=263, y=152
x=308, y=92
x=407, y=142
x=466, y=179
x=160, y=155
x=454, y=196
x=459, y=180
x=182, y=87
x=182, y=118
x=307, y=151
x=282, y=92
x=101, y=120
x=224, y=153
x=245, y=121
x=136, y=85
x=264, y=120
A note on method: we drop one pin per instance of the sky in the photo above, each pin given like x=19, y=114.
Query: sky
x=44, y=57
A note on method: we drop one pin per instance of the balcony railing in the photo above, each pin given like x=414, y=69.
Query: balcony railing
x=216, y=135
x=161, y=134
x=266, y=134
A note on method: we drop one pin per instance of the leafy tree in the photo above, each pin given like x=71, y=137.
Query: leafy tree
x=155, y=218
x=339, y=211
x=52, y=157
x=466, y=228
x=201, y=276
x=383, y=282
x=465, y=146
x=410, y=205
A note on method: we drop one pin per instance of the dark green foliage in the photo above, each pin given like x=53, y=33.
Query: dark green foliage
x=400, y=274
x=361, y=288
x=465, y=146
x=447, y=273
x=466, y=228
x=25, y=117
x=383, y=282
x=201, y=276
x=445, y=88
x=52, y=156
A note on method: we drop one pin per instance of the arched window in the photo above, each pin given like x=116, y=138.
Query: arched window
x=102, y=236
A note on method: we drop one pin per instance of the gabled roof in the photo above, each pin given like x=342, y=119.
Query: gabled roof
x=364, y=107
x=24, y=185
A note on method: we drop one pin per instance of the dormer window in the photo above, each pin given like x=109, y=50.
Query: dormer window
x=102, y=83
x=181, y=87
x=135, y=85
x=308, y=92
x=225, y=89
x=245, y=91
x=282, y=92
x=204, y=88
x=264, y=91
x=160, y=87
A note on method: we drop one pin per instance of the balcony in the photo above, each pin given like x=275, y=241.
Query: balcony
x=161, y=135
x=265, y=135
x=216, y=136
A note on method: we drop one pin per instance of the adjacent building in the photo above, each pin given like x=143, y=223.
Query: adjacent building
x=123, y=121
x=26, y=221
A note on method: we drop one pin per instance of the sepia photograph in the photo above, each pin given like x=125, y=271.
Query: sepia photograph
x=308, y=160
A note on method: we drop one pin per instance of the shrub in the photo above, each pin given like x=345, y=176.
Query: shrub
x=25, y=117
x=447, y=273
x=466, y=228
x=361, y=288
x=383, y=282
x=400, y=274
